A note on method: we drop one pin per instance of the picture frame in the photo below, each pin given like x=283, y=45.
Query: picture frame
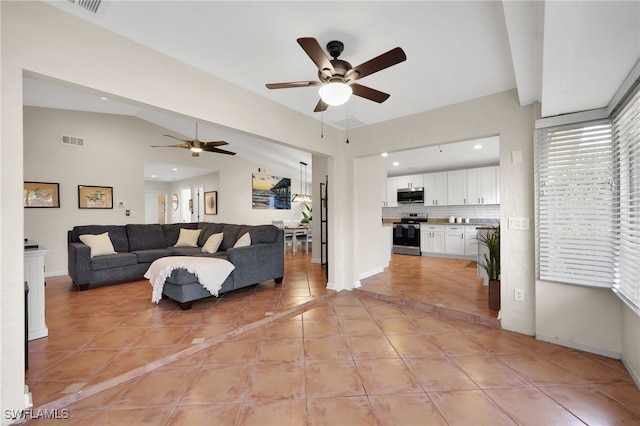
x=211, y=202
x=270, y=192
x=41, y=195
x=95, y=197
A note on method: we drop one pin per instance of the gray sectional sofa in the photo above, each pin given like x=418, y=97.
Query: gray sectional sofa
x=138, y=245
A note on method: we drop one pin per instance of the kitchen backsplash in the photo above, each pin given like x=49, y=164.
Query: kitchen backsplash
x=490, y=211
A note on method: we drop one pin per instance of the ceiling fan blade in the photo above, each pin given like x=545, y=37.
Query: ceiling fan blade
x=369, y=93
x=320, y=106
x=292, y=84
x=169, y=136
x=390, y=58
x=317, y=55
x=219, y=151
x=184, y=145
x=215, y=143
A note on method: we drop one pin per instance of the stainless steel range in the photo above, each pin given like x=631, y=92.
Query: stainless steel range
x=406, y=233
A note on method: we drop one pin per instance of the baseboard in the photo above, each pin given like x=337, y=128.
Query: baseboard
x=632, y=373
x=579, y=346
x=370, y=273
x=55, y=274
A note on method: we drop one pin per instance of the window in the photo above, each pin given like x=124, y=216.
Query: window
x=576, y=197
x=627, y=150
x=588, y=202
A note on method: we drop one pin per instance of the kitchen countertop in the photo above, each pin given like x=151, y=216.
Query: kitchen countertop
x=479, y=223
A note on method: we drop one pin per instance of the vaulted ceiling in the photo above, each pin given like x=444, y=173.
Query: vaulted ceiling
x=567, y=55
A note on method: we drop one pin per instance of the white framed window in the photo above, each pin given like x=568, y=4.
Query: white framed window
x=576, y=204
x=626, y=126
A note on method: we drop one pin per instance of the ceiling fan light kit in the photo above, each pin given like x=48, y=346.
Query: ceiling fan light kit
x=337, y=77
x=335, y=93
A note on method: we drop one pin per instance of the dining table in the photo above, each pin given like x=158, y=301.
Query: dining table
x=295, y=231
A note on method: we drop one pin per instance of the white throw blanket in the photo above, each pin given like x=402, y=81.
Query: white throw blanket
x=210, y=272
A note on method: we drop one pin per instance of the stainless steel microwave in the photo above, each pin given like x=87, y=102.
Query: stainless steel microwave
x=410, y=195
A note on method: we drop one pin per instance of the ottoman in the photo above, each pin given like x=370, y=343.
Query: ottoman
x=184, y=287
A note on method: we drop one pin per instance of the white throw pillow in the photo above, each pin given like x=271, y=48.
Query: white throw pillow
x=243, y=241
x=188, y=238
x=100, y=244
x=213, y=243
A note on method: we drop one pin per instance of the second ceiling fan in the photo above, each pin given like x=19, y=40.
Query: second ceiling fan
x=197, y=146
x=337, y=77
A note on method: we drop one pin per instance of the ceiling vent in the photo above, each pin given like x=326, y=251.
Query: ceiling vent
x=72, y=140
x=90, y=5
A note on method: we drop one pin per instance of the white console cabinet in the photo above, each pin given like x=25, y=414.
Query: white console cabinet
x=34, y=276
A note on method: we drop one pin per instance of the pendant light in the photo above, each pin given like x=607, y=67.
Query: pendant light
x=302, y=196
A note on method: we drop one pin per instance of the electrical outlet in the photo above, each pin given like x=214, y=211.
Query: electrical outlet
x=518, y=295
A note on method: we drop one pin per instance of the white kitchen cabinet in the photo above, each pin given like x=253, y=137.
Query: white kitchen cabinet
x=454, y=240
x=482, y=186
x=34, y=276
x=435, y=189
x=392, y=192
x=432, y=238
x=470, y=241
x=411, y=181
x=457, y=187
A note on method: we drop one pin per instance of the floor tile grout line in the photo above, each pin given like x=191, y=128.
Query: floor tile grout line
x=137, y=372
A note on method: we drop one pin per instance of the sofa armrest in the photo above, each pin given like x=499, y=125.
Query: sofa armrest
x=79, y=259
x=257, y=262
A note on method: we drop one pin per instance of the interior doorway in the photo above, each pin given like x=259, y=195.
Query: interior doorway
x=155, y=207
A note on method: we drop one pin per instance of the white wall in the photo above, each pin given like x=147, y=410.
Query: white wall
x=116, y=148
x=500, y=115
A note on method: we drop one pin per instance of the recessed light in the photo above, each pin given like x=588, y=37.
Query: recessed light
x=153, y=176
x=104, y=98
x=175, y=169
x=395, y=163
x=477, y=146
x=384, y=154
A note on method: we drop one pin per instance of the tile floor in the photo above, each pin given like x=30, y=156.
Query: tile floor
x=298, y=354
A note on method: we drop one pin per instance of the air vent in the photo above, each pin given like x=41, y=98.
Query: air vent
x=90, y=5
x=72, y=140
x=348, y=123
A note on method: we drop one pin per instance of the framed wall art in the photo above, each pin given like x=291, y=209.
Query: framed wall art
x=41, y=195
x=95, y=197
x=270, y=192
x=211, y=202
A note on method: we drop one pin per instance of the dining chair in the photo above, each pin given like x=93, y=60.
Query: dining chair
x=288, y=235
x=306, y=238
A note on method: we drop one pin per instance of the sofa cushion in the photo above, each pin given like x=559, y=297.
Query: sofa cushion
x=213, y=243
x=148, y=256
x=145, y=237
x=231, y=233
x=172, y=231
x=243, y=241
x=100, y=244
x=188, y=238
x=261, y=233
x=208, y=229
x=113, y=261
x=117, y=234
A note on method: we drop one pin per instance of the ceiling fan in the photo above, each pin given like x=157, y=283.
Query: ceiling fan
x=196, y=146
x=336, y=76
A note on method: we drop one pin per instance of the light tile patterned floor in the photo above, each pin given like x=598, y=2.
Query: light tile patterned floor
x=347, y=359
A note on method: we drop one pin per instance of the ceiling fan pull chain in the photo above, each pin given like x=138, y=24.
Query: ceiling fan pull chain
x=347, y=122
x=321, y=124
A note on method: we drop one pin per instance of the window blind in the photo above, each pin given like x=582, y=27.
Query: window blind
x=627, y=152
x=576, y=202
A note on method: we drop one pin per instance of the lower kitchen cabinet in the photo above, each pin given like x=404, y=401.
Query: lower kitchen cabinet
x=432, y=238
x=470, y=241
x=454, y=240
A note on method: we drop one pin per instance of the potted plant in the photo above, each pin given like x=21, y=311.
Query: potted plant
x=306, y=217
x=491, y=264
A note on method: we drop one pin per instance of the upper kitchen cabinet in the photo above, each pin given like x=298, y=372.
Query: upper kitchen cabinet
x=435, y=189
x=392, y=192
x=457, y=187
x=482, y=185
x=411, y=181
